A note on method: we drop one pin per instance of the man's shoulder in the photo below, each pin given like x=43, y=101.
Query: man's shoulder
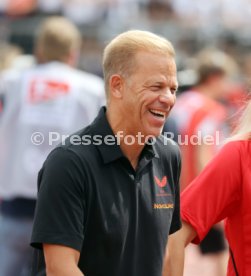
x=79, y=143
x=70, y=159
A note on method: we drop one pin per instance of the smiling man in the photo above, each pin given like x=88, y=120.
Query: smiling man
x=107, y=207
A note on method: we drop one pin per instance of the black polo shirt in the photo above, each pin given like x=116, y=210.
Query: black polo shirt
x=91, y=199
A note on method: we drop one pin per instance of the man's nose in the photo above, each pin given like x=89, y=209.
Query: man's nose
x=167, y=97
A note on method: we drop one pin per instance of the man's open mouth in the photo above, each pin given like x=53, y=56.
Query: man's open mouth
x=158, y=113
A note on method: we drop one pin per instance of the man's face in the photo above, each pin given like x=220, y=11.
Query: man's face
x=149, y=93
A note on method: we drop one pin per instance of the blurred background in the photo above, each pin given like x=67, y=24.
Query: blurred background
x=192, y=26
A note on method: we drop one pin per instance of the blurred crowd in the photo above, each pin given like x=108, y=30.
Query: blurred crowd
x=232, y=14
x=211, y=45
x=188, y=24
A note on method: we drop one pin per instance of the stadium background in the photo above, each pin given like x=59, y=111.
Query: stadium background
x=190, y=25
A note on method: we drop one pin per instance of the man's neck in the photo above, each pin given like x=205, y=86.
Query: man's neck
x=124, y=138
x=132, y=152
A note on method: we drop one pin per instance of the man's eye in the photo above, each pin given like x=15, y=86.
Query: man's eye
x=155, y=88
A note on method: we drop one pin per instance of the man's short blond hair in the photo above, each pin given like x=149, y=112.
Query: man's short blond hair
x=57, y=37
x=119, y=54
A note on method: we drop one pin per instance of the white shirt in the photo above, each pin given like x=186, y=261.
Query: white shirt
x=51, y=100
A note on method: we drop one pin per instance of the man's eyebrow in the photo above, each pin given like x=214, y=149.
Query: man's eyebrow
x=161, y=82
x=155, y=82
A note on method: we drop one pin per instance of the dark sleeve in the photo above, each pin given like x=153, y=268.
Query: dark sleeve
x=176, y=220
x=59, y=215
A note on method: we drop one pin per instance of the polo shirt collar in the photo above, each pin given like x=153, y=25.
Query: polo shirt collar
x=150, y=151
x=110, y=153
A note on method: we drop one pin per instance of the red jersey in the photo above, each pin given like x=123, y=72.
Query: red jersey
x=196, y=115
x=223, y=191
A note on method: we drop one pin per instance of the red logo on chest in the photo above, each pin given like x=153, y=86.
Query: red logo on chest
x=161, y=183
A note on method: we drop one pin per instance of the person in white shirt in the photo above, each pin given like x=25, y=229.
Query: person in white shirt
x=42, y=105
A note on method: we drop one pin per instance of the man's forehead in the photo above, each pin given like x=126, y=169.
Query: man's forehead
x=162, y=79
x=153, y=55
x=158, y=60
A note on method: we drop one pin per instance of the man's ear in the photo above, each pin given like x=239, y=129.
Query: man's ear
x=116, y=84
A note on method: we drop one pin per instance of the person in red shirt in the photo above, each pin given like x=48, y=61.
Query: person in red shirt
x=221, y=191
x=199, y=115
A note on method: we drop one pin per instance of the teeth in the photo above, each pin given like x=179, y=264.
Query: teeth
x=157, y=112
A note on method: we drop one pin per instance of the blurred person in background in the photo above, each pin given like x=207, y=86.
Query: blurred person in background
x=1, y=104
x=8, y=54
x=199, y=111
x=18, y=7
x=186, y=79
x=51, y=97
x=221, y=191
x=201, y=123
x=12, y=61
